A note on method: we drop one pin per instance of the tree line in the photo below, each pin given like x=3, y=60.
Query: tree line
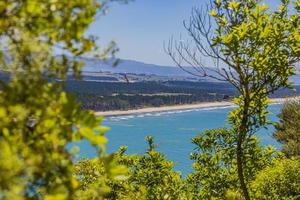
x=104, y=96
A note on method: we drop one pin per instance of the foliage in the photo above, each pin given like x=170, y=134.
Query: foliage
x=150, y=176
x=253, y=48
x=38, y=120
x=215, y=165
x=155, y=173
x=96, y=182
x=280, y=180
x=287, y=130
x=262, y=71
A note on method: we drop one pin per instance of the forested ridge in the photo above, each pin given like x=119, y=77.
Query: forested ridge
x=122, y=96
x=103, y=96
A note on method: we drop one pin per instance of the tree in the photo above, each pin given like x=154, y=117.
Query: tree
x=253, y=48
x=215, y=163
x=154, y=172
x=149, y=176
x=287, y=130
x=38, y=119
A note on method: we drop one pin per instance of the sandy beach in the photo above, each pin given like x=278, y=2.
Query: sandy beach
x=164, y=108
x=178, y=107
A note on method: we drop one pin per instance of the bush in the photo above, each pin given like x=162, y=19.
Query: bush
x=279, y=181
x=150, y=176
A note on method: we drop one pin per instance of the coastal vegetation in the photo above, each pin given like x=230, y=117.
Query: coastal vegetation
x=106, y=96
x=40, y=123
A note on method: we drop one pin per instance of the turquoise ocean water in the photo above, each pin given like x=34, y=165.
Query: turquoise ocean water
x=172, y=132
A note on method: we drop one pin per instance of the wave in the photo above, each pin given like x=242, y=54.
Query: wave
x=165, y=113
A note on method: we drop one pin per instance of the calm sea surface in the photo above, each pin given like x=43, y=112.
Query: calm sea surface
x=172, y=132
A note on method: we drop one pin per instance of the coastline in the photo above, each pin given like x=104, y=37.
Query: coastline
x=178, y=107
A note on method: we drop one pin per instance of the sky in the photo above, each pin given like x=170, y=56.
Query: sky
x=141, y=27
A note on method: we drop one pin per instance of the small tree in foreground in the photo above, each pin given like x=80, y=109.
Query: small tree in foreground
x=253, y=48
x=150, y=176
x=215, y=165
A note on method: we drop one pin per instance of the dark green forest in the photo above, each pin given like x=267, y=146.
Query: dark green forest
x=104, y=96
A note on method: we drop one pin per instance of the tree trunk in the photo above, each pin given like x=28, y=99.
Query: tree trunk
x=239, y=155
x=243, y=129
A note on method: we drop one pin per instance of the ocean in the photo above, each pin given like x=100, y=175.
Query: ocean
x=172, y=132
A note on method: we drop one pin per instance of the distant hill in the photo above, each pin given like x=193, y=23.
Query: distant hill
x=136, y=67
x=131, y=66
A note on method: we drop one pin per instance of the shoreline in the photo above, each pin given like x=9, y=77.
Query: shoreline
x=214, y=104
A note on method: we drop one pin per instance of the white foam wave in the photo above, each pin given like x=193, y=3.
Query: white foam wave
x=165, y=113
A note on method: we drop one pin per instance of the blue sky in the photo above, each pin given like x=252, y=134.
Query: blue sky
x=141, y=27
